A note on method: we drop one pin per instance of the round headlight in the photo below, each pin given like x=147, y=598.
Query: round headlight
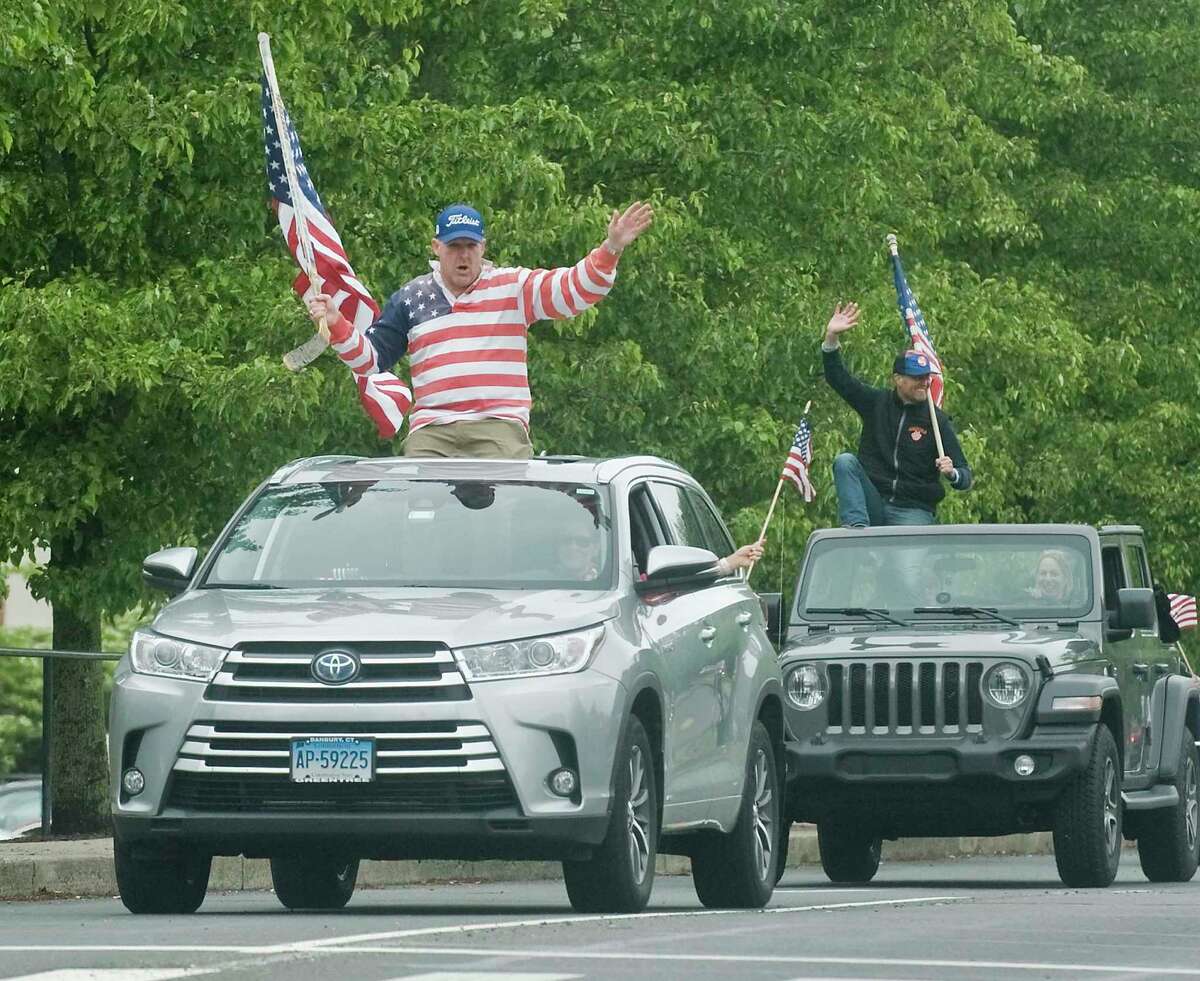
x=541, y=654
x=805, y=686
x=1006, y=685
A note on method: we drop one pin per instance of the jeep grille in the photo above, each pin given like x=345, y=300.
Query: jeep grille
x=919, y=697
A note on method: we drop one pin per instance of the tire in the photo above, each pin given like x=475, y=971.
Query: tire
x=155, y=881
x=618, y=878
x=738, y=870
x=314, y=882
x=849, y=852
x=785, y=839
x=1087, y=825
x=1169, y=838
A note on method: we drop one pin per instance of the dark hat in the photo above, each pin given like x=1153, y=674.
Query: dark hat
x=459, y=221
x=912, y=363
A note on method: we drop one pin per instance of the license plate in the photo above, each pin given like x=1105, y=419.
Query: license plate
x=337, y=759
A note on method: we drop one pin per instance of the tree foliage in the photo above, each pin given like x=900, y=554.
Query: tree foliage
x=1037, y=159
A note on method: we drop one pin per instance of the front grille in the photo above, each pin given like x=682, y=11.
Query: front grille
x=408, y=748
x=902, y=697
x=400, y=671
x=272, y=794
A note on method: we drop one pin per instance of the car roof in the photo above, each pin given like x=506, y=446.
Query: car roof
x=892, y=531
x=567, y=469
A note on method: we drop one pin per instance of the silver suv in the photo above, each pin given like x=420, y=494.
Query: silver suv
x=397, y=658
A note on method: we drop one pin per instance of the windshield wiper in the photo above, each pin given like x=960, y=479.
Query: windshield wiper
x=962, y=611
x=859, y=611
x=239, y=585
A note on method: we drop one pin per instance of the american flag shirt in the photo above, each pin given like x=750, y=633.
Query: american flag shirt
x=468, y=354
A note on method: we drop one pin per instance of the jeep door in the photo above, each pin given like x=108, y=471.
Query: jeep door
x=1126, y=653
x=671, y=622
x=728, y=609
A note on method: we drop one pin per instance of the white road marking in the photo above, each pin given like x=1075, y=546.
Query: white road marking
x=112, y=974
x=590, y=918
x=574, y=955
x=485, y=976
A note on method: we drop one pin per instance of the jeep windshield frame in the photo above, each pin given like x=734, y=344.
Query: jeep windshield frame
x=1000, y=577
x=436, y=533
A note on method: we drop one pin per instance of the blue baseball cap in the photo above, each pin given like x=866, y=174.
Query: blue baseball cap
x=912, y=363
x=459, y=221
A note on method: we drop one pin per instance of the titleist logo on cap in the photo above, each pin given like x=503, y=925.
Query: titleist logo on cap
x=462, y=220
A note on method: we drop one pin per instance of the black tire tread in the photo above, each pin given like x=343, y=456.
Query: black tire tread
x=161, y=884
x=1162, y=838
x=313, y=882
x=849, y=854
x=1080, y=854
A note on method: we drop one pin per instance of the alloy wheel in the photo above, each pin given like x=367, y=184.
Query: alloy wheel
x=638, y=815
x=1112, y=804
x=764, y=822
x=1191, y=804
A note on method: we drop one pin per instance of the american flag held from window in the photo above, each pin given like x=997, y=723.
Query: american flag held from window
x=385, y=397
x=1183, y=610
x=918, y=331
x=798, y=460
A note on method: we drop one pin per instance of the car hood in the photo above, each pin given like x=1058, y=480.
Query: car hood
x=455, y=617
x=1058, y=645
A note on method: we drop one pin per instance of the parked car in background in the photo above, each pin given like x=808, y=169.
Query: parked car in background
x=20, y=806
x=986, y=680
x=399, y=658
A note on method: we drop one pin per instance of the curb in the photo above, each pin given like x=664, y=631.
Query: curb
x=75, y=868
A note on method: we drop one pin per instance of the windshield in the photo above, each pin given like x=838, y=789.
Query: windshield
x=1022, y=576
x=502, y=534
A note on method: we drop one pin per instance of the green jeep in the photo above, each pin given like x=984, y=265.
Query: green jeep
x=987, y=680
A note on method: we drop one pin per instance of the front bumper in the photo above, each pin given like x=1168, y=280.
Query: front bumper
x=499, y=806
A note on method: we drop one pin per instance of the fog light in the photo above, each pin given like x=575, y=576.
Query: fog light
x=1024, y=765
x=133, y=781
x=563, y=782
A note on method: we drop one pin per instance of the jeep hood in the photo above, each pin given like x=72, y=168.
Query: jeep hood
x=1059, y=645
x=454, y=617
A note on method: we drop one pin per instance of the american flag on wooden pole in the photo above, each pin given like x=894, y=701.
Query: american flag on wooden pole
x=1183, y=610
x=798, y=461
x=914, y=323
x=310, y=236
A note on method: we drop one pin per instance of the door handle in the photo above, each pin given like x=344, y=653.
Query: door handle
x=707, y=633
x=1141, y=670
x=744, y=618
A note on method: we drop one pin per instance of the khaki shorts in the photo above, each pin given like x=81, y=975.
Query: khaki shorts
x=494, y=439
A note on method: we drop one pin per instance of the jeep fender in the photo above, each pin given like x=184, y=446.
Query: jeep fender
x=1179, y=692
x=1067, y=685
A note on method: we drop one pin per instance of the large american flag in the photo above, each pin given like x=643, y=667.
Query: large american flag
x=335, y=275
x=1183, y=610
x=918, y=331
x=799, y=458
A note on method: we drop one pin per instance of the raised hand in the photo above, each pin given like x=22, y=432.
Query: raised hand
x=623, y=229
x=842, y=320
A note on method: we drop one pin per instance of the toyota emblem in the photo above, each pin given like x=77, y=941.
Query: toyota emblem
x=335, y=667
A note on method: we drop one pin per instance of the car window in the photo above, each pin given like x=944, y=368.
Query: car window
x=644, y=529
x=501, y=534
x=682, y=524
x=1114, y=574
x=715, y=535
x=1135, y=562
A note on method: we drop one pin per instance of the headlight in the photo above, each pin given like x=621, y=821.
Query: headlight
x=1006, y=685
x=556, y=654
x=152, y=654
x=806, y=686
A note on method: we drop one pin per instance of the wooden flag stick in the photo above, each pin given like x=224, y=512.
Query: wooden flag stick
x=894, y=248
x=774, y=500
x=299, y=358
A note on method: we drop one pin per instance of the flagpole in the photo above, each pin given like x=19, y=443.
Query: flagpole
x=304, y=253
x=774, y=500
x=937, y=430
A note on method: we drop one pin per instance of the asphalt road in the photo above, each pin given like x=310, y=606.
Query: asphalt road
x=978, y=918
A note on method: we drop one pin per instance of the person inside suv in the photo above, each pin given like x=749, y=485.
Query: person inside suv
x=1052, y=581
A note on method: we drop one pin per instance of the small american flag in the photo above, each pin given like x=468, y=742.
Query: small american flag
x=1183, y=610
x=335, y=276
x=799, y=457
x=918, y=331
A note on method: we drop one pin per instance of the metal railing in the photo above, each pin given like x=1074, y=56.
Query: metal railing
x=47, y=710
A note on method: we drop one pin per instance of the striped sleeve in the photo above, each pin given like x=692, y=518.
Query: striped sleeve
x=555, y=294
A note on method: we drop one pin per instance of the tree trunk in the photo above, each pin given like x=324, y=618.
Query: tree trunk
x=78, y=758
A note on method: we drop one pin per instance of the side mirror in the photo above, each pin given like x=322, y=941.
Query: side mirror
x=1135, y=609
x=170, y=569
x=772, y=607
x=676, y=564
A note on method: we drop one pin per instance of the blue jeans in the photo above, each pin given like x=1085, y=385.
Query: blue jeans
x=860, y=504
